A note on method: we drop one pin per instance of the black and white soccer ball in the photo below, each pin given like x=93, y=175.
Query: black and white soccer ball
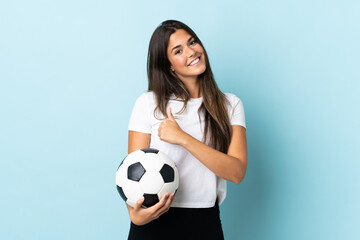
x=146, y=172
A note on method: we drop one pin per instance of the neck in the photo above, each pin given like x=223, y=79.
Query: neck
x=192, y=85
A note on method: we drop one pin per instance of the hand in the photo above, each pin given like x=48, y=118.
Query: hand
x=140, y=216
x=169, y=130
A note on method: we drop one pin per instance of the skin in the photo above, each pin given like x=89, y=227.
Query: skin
x=231, y=166
x=182, y=56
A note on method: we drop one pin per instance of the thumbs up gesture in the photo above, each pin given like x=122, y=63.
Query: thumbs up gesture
x=169, y=130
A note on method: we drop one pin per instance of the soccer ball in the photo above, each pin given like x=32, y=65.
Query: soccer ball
x=146, y=172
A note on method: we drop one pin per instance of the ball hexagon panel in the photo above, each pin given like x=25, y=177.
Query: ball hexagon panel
x=121, y=175
x=135, y=171
x=133, y=191
x=151, y=182
x=134, y=157
x=167, y=188
x=166, y=159
x=131, y=202
x=151, y=162
x=122, y=162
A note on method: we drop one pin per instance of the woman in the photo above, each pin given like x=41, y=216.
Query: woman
x=185, y=115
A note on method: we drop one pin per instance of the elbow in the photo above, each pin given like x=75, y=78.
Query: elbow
x=238, y=179
x=240, y=172
x=239, y=176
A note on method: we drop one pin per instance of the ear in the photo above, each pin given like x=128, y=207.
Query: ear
x=172, y=69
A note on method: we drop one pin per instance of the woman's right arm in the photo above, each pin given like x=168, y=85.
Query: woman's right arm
x=137, y=214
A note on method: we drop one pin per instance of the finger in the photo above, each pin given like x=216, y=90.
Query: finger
x=166, y=207
x=162, y=202
x=170, y=115
x=155, y=208
x=137, y=205
x=167, y=202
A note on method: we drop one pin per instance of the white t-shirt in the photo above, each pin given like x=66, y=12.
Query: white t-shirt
x=198, y=186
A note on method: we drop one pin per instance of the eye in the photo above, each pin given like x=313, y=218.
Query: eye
x=193, y=42
x=178, y=51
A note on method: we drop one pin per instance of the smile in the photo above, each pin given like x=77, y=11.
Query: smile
x=194, y=62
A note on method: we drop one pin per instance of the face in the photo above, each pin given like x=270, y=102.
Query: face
x=186, y=56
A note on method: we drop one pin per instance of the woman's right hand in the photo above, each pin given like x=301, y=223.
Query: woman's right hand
x=140, y=216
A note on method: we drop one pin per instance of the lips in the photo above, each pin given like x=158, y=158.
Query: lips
x=195, y=61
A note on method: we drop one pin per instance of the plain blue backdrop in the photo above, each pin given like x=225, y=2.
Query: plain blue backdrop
x=70, y=72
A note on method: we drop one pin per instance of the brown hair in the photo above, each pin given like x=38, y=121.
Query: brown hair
x=163, y=82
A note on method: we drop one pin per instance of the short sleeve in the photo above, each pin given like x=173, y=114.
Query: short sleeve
x=237, y=116
x=139, y=119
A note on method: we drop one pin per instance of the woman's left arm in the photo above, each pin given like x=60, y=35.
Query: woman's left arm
x=231, y=166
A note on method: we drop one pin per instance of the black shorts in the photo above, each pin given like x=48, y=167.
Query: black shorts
x=181, y=223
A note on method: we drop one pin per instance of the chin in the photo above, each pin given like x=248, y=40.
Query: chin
x=202, y=70
x=199, y=72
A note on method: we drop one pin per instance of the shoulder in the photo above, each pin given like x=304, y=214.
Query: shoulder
x=230, y=96
x=147, y=94
x=148, y=97
x=233, y=99
x=236, y=110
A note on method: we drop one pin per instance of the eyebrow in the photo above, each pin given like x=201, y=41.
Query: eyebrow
x=180, y=45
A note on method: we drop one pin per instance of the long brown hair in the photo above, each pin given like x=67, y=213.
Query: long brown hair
x=163, y=82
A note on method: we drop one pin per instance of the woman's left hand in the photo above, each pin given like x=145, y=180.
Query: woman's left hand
x=170, y=131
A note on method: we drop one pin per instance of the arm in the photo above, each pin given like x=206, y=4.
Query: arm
x=138, y=140
x=137, y=214
x=231, y=166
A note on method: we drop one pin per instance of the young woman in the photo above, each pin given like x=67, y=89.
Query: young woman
x=185, y=115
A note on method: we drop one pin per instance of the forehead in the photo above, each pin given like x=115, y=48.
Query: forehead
x=179, y=37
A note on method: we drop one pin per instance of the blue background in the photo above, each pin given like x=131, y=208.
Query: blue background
x=70, y=72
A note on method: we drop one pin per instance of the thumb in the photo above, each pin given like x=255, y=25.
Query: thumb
x=170, y=115
x=137, y=205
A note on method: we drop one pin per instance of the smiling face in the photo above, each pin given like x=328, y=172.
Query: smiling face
x=186, y=56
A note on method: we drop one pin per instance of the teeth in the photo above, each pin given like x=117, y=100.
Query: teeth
x=195, y=61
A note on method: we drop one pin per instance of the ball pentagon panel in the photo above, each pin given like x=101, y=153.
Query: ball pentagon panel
x=167, y=173
x=150, y=200
x=135, y=171
x=150, y=150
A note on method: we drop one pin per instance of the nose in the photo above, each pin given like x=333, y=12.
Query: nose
x=191, y=52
